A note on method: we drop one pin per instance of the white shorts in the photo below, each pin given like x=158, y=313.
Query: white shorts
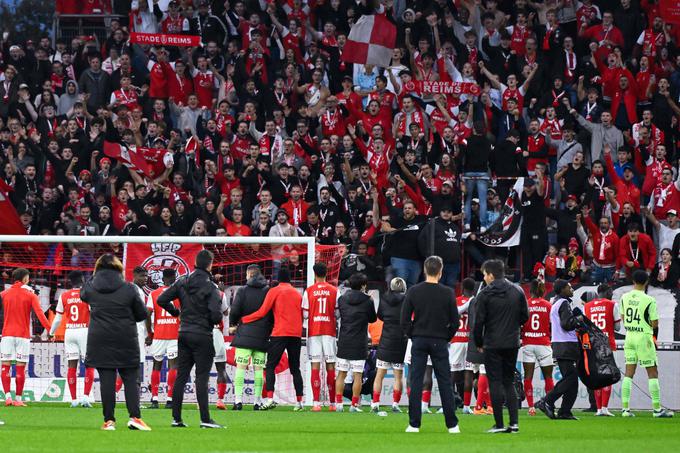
x=457, y=354
x=387, y=365
x=141, y=337
x=322, y=348
x=477, y=368
x=355, y=366
x=536, y=353
x=407, y=356
x=15, y=349
x=75, y=343
x=220, y=346
x=164, y=348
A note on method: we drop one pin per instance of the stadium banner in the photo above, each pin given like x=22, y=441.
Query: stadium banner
x=11, y=223
x=161, y=39
x=669, y=10
x=506, y=230
x=442, y=87
x=158, y=256
x=150, y=162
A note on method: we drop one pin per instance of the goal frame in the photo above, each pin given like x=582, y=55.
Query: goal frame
x=207, y=240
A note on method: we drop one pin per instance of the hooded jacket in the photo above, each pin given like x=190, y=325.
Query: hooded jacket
x=249, y=299
x=115, y=308
x=356, y=312
x=501, y=311
x=392, y=347
x=67, y=101
x=442, y=238
x=200, y=303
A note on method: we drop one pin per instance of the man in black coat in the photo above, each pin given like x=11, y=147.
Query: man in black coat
x=392, y=346
x=430, y=318
x=357, y=311
x=200, y=307
x=501, y=312
x=250, y=340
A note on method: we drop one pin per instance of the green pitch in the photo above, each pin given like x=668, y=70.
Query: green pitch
x=57, y=428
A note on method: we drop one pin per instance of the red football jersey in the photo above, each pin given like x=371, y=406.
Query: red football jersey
x=602, y=313
x=17, y=303
x=319, y=301
x=537, y=329
x=165, y=326
x=463, y=333
x=76, y=312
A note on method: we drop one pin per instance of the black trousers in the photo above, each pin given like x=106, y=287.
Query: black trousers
x=566, y=388
x=107, y=388
x=534, y=245
x=292, y=346
x=438, y=350
x=500, y=370
x=193, y=349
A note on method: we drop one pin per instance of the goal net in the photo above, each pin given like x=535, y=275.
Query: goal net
x=50, y=258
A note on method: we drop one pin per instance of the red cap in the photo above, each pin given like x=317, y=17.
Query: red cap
x=573, y=243
x=104, y=160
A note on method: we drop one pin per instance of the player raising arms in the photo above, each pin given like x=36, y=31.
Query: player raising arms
x=604, y=313
x=641, y=321
x=17, y=302
x=461, y=369
x=319, y=307
x=392, y=347
x=536, y=346
x=165, y=332
x=77, y=314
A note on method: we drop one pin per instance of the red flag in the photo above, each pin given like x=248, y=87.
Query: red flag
x=669, y=10
x=150, y=162
x=371, y=41
x=193, y=146
x=11, y=224
x=154, y=257
x=161, y=39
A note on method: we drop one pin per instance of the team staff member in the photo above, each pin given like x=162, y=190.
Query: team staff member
x=286, y=303
x=16, y=303
x=563, y=323
x=356, y=312
x=501, y=312
x=200, y=308
x=112, y=343
x=250, y=340
x=430, y=317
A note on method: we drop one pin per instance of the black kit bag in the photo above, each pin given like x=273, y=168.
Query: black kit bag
x=596, y=367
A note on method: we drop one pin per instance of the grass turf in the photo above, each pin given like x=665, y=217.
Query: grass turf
x=58, y=428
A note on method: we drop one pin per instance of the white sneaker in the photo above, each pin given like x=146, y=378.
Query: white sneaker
x=604, y=412
x=440, y=410
x=396, y=409
x=75, y=403
x=298, y=407
x=354, y=408
x=454, y=430
x=425, y=408
x=663, y=413
x=411, y=429
x=467, y=410
x=85, y=402
x=338, y=407
x=627, y=413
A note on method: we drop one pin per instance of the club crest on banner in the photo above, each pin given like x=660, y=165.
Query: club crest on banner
x=156, y=257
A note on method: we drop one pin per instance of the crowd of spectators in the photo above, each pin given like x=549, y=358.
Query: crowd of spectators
x=266, y=130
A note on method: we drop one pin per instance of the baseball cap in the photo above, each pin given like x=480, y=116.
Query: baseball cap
x=22, y=86
x=672, y=212
x=573, y=243
x=572, y=197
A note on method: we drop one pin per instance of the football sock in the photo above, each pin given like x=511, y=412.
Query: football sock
x=529, y=392
x=338, y=398
x=330, y=383
x=6, y=379
x=427, y=396
x=316, y=384
x=549, y=385
x=264, y=384
x=298, y=398
x=172, y=375
x=239, y=377
x=625, y=392
x=376, y=397
x=355, y=400
x=71, y=378
x=467, y=397
x=89, y=381
x=119, y=384
x=598, y=398
x=221, y=390
x=155, y=382
x=270, y=394
x=606, y=393
x=396, y=396
x=654, y=391
x=482, y=390
x=21, y=378
x=257, y=386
